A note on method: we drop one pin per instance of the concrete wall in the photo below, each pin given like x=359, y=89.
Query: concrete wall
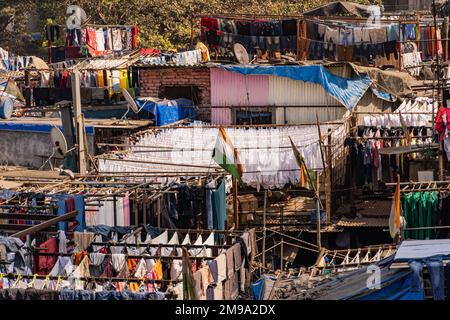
x=20, y=148
x=153, y=81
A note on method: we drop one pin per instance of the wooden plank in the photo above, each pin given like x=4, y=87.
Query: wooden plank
x=46, y=224
x=14, y=227
x=408, y=149
x=25, y=216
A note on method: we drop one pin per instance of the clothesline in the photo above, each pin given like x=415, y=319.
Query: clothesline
x=369, y=42
x=89, y=279
x=127, y=256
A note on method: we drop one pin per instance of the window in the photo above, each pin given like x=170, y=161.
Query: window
x=176, y=92
x=253, y=117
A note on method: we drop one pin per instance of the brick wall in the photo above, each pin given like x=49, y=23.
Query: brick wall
x=153, y=80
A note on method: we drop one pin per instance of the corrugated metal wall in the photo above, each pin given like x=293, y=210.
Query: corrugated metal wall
x=231, y=88
x=234, y=89
x=370, y=103
x=308, y=114
x=221, y=116
x=288, y=92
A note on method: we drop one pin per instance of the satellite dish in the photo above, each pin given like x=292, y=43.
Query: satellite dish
x=59, y=142
x=131, y=103
x=240, y=53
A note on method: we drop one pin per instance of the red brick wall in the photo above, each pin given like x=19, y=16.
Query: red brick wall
x=154, y=79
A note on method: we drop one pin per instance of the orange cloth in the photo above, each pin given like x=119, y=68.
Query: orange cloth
x=79, y=257
x=131, y=265
x=134, y=286
x=120, y=286
x=157, y=269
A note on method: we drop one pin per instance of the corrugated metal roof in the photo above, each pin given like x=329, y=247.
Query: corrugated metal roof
x=364, y=222
x=97, y=64
x=372, y=207
x=186, y=58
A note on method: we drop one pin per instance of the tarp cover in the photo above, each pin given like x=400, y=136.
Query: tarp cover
x=422, y=249
x=339, y=8
x=395, y=82
x=169, y=111
x=395, y=285
x=346, y=91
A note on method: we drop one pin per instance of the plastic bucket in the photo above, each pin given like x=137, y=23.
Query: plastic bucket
x=6, y=107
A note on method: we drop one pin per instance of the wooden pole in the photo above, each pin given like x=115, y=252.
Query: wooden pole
x=45, y=225
x=235, y=203
x=76, y=101
x=159, y=212
x=27, y=88
x=281, y=254
x=115, y=210
x=319, y=240
x=136, y=208
x=144, y=208
x=264, y=231
x=329, y=181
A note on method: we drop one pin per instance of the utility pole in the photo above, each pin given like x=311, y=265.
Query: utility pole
x=76, y=101
x=437, y=93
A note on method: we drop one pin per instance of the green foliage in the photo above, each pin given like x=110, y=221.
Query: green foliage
x=164, y=24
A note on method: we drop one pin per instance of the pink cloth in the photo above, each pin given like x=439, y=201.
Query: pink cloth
x=46, y=263
x=126, y=209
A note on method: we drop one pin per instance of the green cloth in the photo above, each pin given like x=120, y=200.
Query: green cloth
x=415, y=214
x=420, y=210
x=407, y=214
x=431, y=214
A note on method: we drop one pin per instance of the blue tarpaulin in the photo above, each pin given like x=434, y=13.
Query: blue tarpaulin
x=346, y=91
x=169, y=111
x=399, y=289
x=383, y=95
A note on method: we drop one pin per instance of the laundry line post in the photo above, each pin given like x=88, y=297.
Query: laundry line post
x=235, y=203
x=76, y=102
x=264, y=231
x=329, y=180
x=319, y=238
x=115, y=210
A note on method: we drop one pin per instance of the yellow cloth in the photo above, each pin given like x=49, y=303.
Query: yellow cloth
x=123, y=79
x=134, y=286
x=100, y=80
x=157, y=268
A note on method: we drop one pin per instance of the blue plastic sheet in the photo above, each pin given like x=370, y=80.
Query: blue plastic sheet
x=257, y=289
x=34, y=127
x=346, y=91
x=399, y=289
x=383, y=95
x=169, y=111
